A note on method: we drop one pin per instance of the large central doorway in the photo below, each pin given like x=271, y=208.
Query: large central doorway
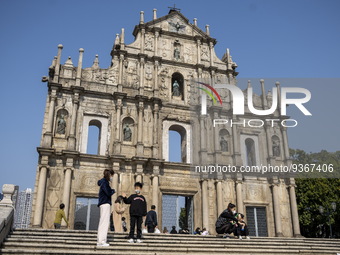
x=177, y=211
x=86, y=214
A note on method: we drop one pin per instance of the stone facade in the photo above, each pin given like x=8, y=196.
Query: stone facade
x=134, y=104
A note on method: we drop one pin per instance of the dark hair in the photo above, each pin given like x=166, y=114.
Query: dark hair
x=123, y=218
x=108, y=173
x=173, y=227
x=138, y=184
x=119, y=199
x=153, y=207
x=231, y=206
x=61, y=206
x=242, y=215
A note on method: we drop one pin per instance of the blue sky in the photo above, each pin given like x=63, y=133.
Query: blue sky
x=267, y=39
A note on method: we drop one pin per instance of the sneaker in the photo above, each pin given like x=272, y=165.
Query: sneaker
x=103, y=244
x=248, y=237
x=226, y=236
x=131, y=240
x=139, y=241
x=240, y=237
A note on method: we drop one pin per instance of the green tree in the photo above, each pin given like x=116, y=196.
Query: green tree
x=314, y=192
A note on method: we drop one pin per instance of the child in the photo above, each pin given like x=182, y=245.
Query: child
x=104, y=203
x=197, y=231
x=151, y=220
x=59, y=216
x=243, y=228
x=205, y=232
x=137, y=211
x=124, y=224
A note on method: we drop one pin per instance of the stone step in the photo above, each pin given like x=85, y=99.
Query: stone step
x=220, y=243
x=46, y=241
x=123, y=245
x=171, y=238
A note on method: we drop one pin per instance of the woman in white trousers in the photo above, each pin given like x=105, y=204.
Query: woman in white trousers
x=104, y=203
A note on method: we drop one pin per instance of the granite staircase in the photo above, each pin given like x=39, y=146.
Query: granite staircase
x=42, y=241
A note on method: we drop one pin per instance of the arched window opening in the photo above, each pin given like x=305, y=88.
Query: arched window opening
x=177, y=144
x=94, y=136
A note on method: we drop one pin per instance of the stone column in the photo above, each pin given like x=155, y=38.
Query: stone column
x=155, y=131
x=219, y=197
x=156, y=41
x=205, y=205
x=277, y=212
x=114, y=186
x=141, y=75
x=143, y=40
x=285, y=143
x=40, y=195
x=155, y=191
x=118, y=126
x=211, y=47
x=120, y=78
x=203, y=151
x=80, y=64
x=156, y=67
x=236, y=146
x=264, y=97
x=57, y=67
x=67, y=191
x=294, y=210
x=49, y=128
x=140, y=129
x=239, y=196
x=72, y=137
x=269, y=143
x=198, y=40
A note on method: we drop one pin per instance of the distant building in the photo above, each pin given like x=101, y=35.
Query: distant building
x=23, y=209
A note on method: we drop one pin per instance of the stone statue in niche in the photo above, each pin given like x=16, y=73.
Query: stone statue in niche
x=127, y=133
x=276, y=147
x=223, y=144
x=175, y=89
x=61, y=128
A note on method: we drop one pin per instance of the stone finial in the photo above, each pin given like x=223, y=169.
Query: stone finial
x=141, y=18
x=117, y=39
x=195, y=22
x=154, y=14
x=81, y=50
x=122, y=36
x=60, y=46
x=277, y=84
x=54, y=62
x=96, y=62
x=262, y=86
x=249, y=84
x=207, y=30
x=68, y=62
x=8, y=191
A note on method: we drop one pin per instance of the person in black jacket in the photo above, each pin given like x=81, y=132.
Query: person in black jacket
x=151, y=220
x=104, y=203
x=137, y=211
x=227, y=222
